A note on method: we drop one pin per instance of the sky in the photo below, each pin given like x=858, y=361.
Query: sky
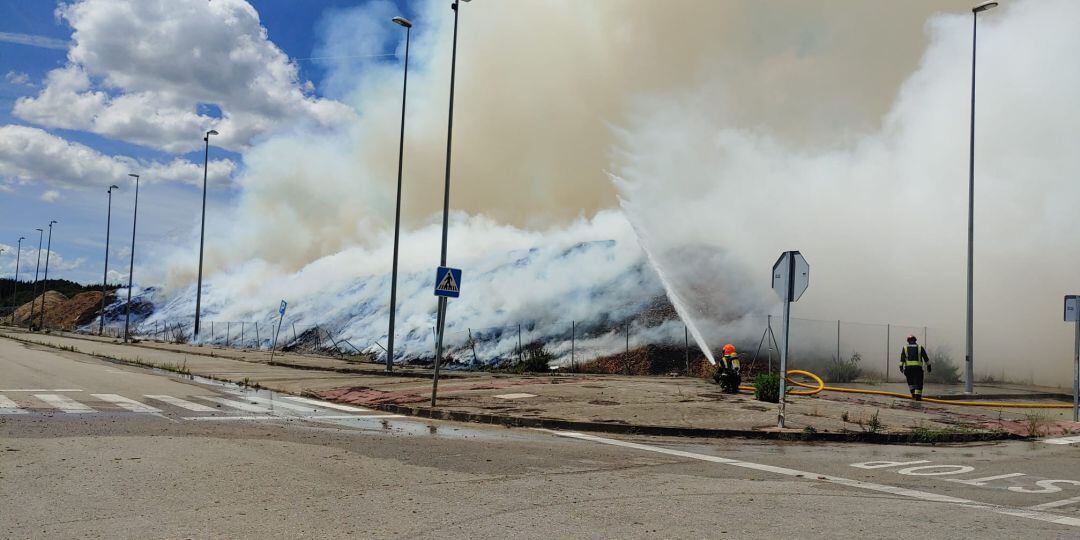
x=722, y=133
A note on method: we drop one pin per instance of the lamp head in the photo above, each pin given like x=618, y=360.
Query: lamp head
x=133, y=175
x=112, y=187
x=21, y=238
x=402, y=21
x=985, y=6
x=211, y=132
x=53, y=221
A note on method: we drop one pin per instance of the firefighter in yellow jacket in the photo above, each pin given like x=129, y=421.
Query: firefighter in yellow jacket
x=912, y=359
x=727, y=373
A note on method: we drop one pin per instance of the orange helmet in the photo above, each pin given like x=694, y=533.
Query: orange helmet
x=729, y=349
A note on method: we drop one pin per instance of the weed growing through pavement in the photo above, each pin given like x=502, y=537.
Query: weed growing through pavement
x=1035, y=422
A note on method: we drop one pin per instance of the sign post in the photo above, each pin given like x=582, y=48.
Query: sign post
x=447, y=285
x=281, y=316
x=790, y=278
x=1072, y=314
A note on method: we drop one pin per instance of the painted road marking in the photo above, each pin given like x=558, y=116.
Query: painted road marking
x=984, y=480
x=327, y=404
x=515, y=396
x=129, y=404
x=303, y=417
x=65, y=404
x=858, y=484
x=9, y=407
x=40, y=390
x=236, y=404
x=1063, y=440
x=285, y=405
x=182, y=403
x=1055, y=504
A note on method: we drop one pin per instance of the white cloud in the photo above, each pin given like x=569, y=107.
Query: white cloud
x=18, y=78
x=33, y=155
x=131, y=77
x=50, y=196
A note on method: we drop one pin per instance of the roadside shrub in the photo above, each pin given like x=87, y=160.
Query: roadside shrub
x=767, y=387
x=844, y=371
x=535, y=360
x=945, y=370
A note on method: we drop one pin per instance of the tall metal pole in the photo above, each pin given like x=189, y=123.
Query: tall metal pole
x=131, y=265
x=969, y=340
x=202, y=233
x=1076, y=376
x=446, y=205
x=397, y=211
x=33, y=289
x=787, y=331
x=15, y=288
x=105, y=277
x=45, y=280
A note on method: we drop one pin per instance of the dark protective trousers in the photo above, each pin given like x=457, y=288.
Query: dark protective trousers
x=914, y=376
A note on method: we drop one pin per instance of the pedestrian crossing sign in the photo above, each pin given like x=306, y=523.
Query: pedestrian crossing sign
x=448, y=282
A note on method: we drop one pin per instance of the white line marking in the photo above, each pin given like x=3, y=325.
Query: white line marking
x=1055, y=504
x=984, y=480
x=65, y=404
x=182, y=403
x=911, y=493
x=519, y=395
x=327, y=404
x=129, y=404
x=1063, y=440
x=9, y=407
x=40, y=390
x=305, y=417
x=236, y=404
x=285, y=405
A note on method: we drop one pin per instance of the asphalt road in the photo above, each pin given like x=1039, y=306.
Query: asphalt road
x=93, y=449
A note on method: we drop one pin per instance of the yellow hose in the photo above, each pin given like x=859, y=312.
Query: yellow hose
x=821, y=387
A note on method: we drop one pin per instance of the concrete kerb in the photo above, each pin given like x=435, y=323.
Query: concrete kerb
x=671, y=431
x=938, y=437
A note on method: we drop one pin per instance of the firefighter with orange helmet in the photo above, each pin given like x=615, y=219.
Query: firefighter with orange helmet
x=727, y=371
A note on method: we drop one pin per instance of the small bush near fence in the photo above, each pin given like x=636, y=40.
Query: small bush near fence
x=767, y=387
x=536, y=359
x=945, y=370
x=844, y=371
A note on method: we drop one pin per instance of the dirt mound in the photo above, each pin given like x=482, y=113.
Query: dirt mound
x=61, y=311
x=648, y=360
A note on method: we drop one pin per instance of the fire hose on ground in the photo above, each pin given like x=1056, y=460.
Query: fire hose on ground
x=812, y=389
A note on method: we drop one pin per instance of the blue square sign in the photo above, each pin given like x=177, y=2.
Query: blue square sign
x=448, y=282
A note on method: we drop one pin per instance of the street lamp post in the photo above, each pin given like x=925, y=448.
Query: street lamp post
x=397, y=211
x=33, y=289
x=202, y=233
x=131, y=265
x=15, y=288
x=105, y=278
x=45, y=280
x=969, y=339
x=441, y=317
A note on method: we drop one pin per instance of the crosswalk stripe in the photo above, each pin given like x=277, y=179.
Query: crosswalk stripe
x=327, y=404
x=65, y=404
x=182, y=403
x=9, y=407
x=129, y=404
x=237, y=404
x=306, y=417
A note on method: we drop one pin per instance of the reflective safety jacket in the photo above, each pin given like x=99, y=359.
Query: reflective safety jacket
x=913, y=356
x=731, y=361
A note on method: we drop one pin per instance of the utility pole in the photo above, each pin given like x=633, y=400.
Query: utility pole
x=131, y=265
x=45, y=281
x=105, y=278
x=15, y=289
x=202, y=233
x=401, y=21
x=33, y=290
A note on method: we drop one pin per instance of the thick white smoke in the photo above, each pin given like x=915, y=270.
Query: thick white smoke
x=882, y=219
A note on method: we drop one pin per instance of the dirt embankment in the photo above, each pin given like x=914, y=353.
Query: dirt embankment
x=61, y=311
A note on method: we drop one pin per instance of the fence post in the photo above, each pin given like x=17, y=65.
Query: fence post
x=888, y=335
x=473, y=345
x=228, y=333
x=293, y=332
x=686, y=347
x=925, y=343
x=519, y=343
x=627, y=337
x=258, y=342
x=837, y=340
x=211, y=332
x=574, y=336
